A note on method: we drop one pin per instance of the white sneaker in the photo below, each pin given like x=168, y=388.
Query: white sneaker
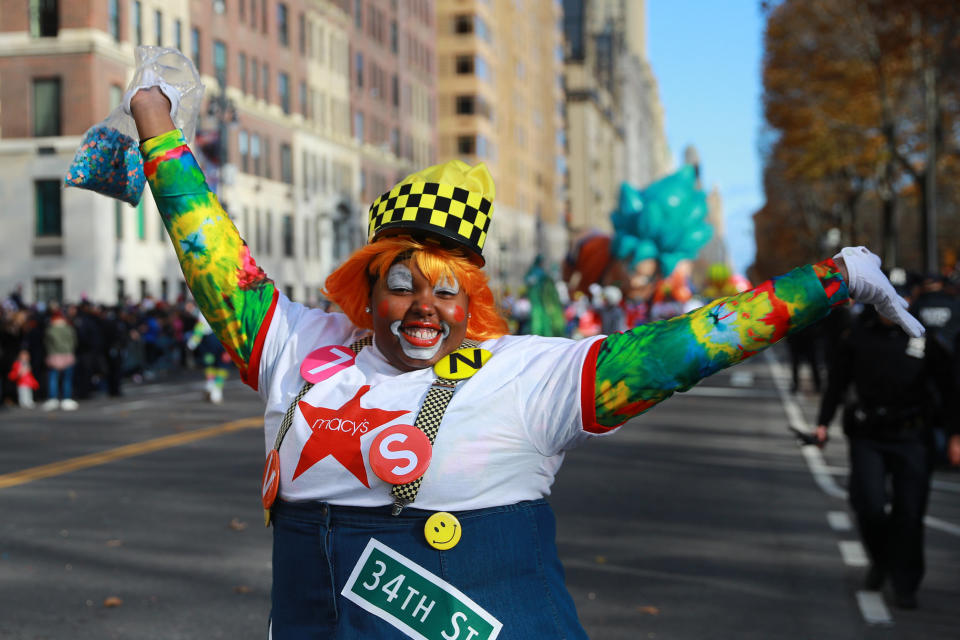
x=216, y=395
x=51, y=404
x=69, y=405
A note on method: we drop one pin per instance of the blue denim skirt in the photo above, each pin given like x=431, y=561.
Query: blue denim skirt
x=506, y=562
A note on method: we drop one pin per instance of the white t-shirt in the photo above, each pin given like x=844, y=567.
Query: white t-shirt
x=502, y=438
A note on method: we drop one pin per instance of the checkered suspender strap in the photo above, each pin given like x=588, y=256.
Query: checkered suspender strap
x=428, y=420
x=356, y=347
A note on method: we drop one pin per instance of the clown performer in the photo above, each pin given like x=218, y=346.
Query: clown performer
x=410, y=443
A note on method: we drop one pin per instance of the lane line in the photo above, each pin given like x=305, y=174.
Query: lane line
x=937, y=523
x=127, y=451
x=854, y=555
x=839, y=520
x=872, y=607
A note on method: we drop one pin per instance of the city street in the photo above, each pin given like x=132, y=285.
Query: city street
x=139, y=517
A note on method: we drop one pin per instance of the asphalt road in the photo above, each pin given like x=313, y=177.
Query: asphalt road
x=139, y=518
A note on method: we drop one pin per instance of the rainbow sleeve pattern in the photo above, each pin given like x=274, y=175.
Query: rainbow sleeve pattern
x=639, y=368
x=233, y=293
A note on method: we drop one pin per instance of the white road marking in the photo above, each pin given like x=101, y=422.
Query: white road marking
x=741, y=378
x=839, y=520
x=941, y=525
x=853, y=553
x=728, y=392
x=872, y=607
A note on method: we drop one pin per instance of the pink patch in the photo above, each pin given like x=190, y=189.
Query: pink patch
x=458, y=314
x=325, y=362
x=383, y=309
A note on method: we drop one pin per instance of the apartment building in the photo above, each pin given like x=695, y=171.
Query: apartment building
x=274, y=138
x=392, y=90
x=63, y=67
x=614, y=116
x=500, y=101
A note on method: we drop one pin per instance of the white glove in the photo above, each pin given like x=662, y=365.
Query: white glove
x=151, y=79
x=868, y=285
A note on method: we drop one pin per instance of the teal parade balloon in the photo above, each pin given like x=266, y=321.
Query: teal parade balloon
x=666, y=221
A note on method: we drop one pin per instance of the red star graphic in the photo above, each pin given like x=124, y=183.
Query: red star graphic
x=336, y=432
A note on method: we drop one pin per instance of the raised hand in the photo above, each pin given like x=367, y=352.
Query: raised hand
x=868, y=285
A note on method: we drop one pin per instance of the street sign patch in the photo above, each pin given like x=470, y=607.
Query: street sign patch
x=398, y=590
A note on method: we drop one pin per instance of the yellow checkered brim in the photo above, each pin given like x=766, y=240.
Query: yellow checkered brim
x=452, y=212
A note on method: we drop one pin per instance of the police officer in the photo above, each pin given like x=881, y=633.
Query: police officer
x=895, y=379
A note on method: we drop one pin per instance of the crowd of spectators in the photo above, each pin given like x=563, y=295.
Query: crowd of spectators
x=110, y=345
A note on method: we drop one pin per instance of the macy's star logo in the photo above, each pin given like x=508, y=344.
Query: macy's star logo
x=336, y=432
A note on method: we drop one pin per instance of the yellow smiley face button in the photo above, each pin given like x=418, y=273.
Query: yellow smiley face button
x=442, y=531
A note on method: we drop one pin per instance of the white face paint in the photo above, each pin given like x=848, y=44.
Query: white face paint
x=447, y=286
x=416, y=352
x=400, y=278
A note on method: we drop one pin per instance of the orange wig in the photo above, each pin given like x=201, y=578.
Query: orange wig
x=349, y=285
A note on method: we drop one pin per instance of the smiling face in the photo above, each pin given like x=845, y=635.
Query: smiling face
x=416, y=323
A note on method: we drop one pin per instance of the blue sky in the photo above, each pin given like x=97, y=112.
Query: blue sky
x=707, y=57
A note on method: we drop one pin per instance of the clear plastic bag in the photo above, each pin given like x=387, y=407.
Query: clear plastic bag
x=108, y=160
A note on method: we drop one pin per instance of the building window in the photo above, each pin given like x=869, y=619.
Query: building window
x=358, y=126
x=116, y=95
x=243, y=148
x=283, y=89
x=286, y=163
x=113, y=19
x=254, y=77
x=164, y=289
x=44, y=18
x=144, y=289
x=121, y=291
x=137, y=22
x=288, y=236
x=158, y=27
x=46, y=107
x=269, y=235
x=302, y=34
x=358, y=13
x=49, y=212
x=394, y=37
x=118, y=219
x=464, y=65
x=220, y=6
x=195, y=46
x=466, y=105
x=283, y=31
x=263, y=23
x=358, y=63
x=267, y=166
x=255, y=155
x=303, y=99
x=141, y=222
x=463, y=23
x=466, y=145
x=266, y=82
x=48, y=290
x=220, y=63
x=178, y=34
x=242, y=64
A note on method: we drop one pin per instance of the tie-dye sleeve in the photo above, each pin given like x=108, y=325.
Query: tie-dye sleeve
x=234, y=294
x=639, y=368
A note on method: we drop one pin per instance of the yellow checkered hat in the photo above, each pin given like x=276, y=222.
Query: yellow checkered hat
x=452, y=200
